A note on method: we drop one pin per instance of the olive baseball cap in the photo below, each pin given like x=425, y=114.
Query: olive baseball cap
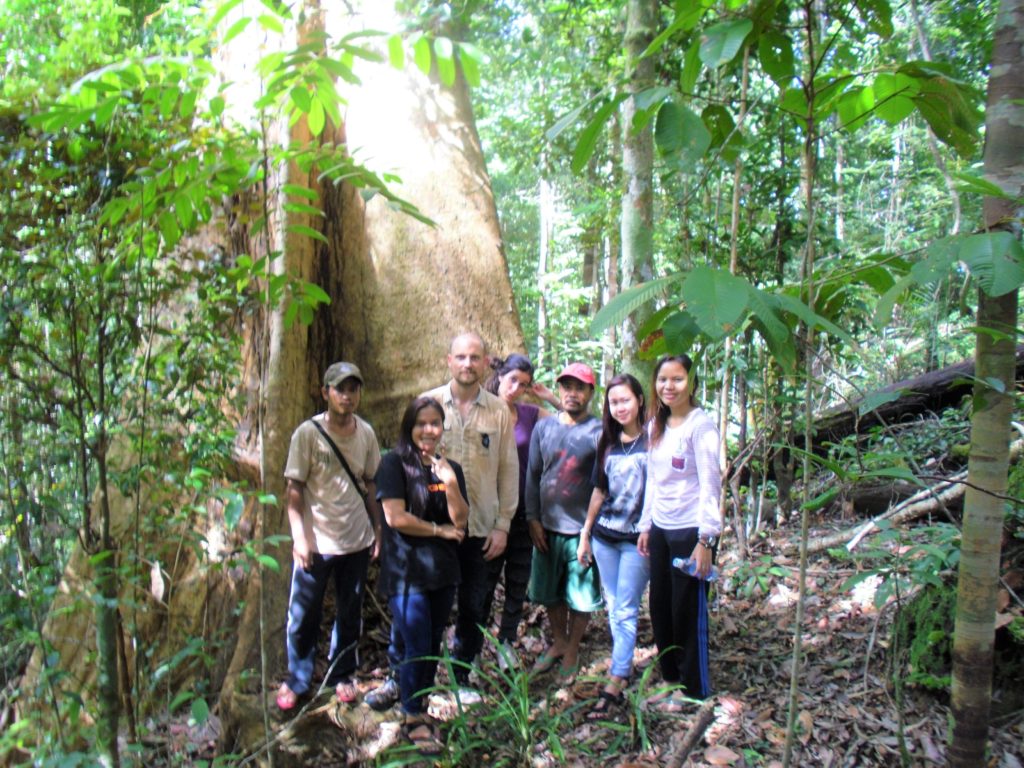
x=338, y=372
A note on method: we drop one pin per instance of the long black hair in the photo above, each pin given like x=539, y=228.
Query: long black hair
x=514, y=362
x=611, y=431
x=416, y=489
x=658, y=412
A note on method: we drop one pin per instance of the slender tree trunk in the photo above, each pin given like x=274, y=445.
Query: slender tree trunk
x=809, y=170
x=993, y=406
x=636, y=264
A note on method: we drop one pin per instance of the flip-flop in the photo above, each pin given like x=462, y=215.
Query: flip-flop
x=567, y=675
x=286, y=698
x=606, y=703
x=545, y=663
x=672, y=704
x=427, y=741
x=346, y=692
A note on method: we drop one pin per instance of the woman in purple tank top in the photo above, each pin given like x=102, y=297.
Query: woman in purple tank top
x=513, y=378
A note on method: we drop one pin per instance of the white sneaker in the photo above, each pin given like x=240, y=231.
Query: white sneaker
x=467, y=697
x=507, y=657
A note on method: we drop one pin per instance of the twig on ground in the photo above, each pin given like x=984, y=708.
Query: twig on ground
x=705, y=716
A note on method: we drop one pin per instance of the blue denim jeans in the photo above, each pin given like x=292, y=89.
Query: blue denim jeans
x=624, y=576
x=305, y=610
x=418, y=623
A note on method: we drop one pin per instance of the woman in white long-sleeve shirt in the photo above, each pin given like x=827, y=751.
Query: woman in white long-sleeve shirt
x=680, y=519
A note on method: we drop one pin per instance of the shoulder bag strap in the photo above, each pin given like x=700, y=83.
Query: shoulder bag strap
x=341, y=458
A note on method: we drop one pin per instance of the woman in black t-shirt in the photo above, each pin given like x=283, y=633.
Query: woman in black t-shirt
x=425, y=512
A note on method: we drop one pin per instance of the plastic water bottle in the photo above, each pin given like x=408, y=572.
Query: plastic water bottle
x=689, y=566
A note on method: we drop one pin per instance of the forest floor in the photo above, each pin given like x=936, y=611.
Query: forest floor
x=848, y=713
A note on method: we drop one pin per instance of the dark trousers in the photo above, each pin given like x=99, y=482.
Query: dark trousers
x=476, y=593
x=305, y=610
x=518, y=561
x=679, y=612
x=418, y=623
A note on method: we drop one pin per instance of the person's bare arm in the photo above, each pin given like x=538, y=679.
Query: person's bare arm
x=301, y=551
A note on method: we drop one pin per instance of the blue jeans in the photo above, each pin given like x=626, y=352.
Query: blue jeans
x=418, y=622
x=305, y=609
x=624, y=576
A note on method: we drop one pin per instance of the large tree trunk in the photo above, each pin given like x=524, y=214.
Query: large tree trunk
x=993, y=406
x=400, y=290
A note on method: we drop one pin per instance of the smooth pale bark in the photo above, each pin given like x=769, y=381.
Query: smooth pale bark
x=993, y=407
x=636, y=259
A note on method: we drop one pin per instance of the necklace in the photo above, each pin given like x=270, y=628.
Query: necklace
x=631, y=444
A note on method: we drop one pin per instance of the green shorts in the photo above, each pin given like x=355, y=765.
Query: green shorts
x=557, y=576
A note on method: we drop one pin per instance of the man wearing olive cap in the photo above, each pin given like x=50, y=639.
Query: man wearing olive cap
x=335, y=526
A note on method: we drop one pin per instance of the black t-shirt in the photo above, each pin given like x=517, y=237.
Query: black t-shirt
x=625, y=473
x=416, y=563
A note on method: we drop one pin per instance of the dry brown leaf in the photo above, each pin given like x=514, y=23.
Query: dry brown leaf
x=806, y=726
x=719, y=755
x=1002, y=619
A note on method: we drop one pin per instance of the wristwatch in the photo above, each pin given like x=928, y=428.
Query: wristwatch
x=707, y=541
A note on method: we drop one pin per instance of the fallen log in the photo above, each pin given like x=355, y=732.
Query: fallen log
x=929, y=392
x=705, y=716
x=927, y=500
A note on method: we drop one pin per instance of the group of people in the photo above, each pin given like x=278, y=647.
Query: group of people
x=569, y=507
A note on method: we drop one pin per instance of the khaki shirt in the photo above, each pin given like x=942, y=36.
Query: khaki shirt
x=334, y=516
x=485, y=446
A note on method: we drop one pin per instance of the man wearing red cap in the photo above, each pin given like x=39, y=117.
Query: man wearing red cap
x=558, y=489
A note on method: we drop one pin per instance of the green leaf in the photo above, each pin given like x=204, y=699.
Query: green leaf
x=893, y=96
x=223, y=10
x=233, y=509
x=977, y=185
x=950, y=112
x=776, y=333
x=691, y=70
x=445, y=60
x=266, y=560
x=796, y=307
x=311, y=210
x=721, y=42
x=271, y=23
x=235, y=30
x=470, y=67
x=775, y=52
x=308, y=231
x=316, y=118
x=200, y=710
x=568, y=119
x=396, y=51
x=996, y=260
x=315, y=294
x=300, y=97
x=716, y=299
x=878, y=15
x=856, y=106
x=591, y=132
x=680, y=331
x=685, y=20
x=794, y=101
x=821, y=500
x=624, y=304
x=722, y=128
x=421, y=55
x=884, y=310
x=877, y=399
x=295, y=189
x=680, y=133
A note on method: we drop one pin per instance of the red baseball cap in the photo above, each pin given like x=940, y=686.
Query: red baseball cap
x=580, y=371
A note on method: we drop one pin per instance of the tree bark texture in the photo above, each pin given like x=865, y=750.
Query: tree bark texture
x=993, y=406
x=637, y=171
x=400, y=290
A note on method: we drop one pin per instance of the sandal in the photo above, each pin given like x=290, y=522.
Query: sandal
x=605, y=704
x=346, y=692
x=424, y=736
x=286, y=698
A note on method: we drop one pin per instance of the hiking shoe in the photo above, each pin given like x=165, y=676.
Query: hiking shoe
x=384, y=696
